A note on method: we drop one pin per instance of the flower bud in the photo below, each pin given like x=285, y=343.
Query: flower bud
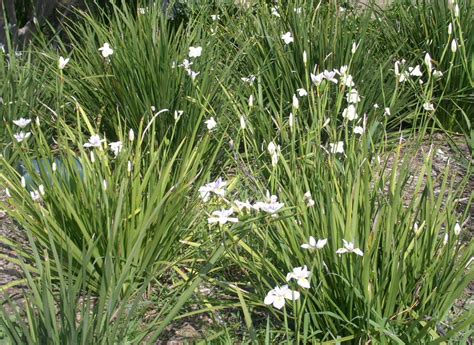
x=251, y=101
x=243, y=125
x=454, y=45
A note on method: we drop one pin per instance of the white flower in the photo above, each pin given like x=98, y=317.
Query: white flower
x=274, y=151
x=222, y=217
x=296, y=102
x=92, y=156
x=428, y=106
x=62, y=62
x=450, y=28
x=23, y=181
x=347, y=80
x=271, y=207
x=106, y=50
x=305, y=57
x=310, y=203
x=215, y=17
x=317, y=79
x=416, y=228
x=211, y=123
x=403, y=77
x=195, y=52
x=457, y=229
x=131, y=135
x=116, y=147
x=287, y=38
x=243, y=205
x=22, y=122
x=343, y=70
x=387, y=112
x=350, y=113
x=313, y=244
x=54, y=167
x=192, y=74
x=250, y=79
x=21, y=136
x=272, y=148
x=353, y=96
x=427, y=61
x=349, y=248
x=359, y=130
x=302, y=92
x=336, y=147
x=277, y=296
x=437, y=74
x=217, y=187
x=129, y=166
x=274, y=10
x=94, y=141
x=41, y=189
x=298, y=10
x=35, y=195
x=330, y=76
x=446, y=239
x=415, y=71
x=104, y=184
x=177, y=114
x=454, y=45
x=186, y=64
x=7, y=193
x=301, y=275
x=307, y=195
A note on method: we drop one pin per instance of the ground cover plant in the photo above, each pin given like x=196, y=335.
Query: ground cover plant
x=265, y=167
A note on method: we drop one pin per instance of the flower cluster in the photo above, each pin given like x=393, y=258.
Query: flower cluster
x=403, y=74
x=309, y=199
x=301, y=275
x=271, y=206
x=278, y=296
x=274, y=151
x=344, y=77
x=22, y=123
x=194, y=52
x=96, y=142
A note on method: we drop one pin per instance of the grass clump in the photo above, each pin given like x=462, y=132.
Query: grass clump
x=252, y=165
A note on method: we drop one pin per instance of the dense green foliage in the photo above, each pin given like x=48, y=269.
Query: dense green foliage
x=310, y=112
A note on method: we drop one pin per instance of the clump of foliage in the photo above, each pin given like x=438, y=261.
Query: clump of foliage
x=251, y=157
